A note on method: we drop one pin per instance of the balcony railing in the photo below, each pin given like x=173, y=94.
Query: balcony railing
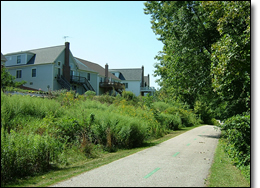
x=116, y=85
x=148, y=89
x=83, y=81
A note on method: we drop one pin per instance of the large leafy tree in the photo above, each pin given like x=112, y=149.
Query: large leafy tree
x=206, y=50
x=187, y=34
x=230, y=67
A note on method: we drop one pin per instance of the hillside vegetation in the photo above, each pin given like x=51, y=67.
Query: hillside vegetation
x=38, y=133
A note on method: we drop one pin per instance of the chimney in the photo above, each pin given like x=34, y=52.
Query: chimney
x=106, y=73
x=148, y=80
x=142, y=85
x=66, y=66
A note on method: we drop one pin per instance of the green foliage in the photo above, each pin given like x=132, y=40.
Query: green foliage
x=71, y=123
x=7, y=80
x=160, y=106
x=170, y=121
x=128, y=95
x=105, y=98
x=231, y=54
x=24, y=155
x=147, y=100
x=184, y=63
x=237, y=132
x=205, y=113
x=16, y=107
x=206, y=52
x=174, y=116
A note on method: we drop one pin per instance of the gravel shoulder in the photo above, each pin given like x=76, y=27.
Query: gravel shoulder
x=183, y=161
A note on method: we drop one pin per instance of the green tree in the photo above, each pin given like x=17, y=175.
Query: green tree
x=230, y=66
x=187, y=34
x=7, y=79
x=206, y=53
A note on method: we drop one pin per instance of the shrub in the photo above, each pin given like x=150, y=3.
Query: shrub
x=105, y=98
x=188, y=118
x=128, y=95
x=25, y=155
x=90, y=94
x=204, y=112
x=160, y=106
x=238, y=134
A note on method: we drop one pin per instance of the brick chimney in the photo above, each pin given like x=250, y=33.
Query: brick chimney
x=148, y=80
x=66, y=66
x=106, y=73
x=142, y=85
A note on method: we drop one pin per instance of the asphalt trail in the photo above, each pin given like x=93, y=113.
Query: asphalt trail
x=183, y=161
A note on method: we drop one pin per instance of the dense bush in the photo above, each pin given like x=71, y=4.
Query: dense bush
x=204, y=112
x=237, y=131
x=90, y=94
x=24, y=155
x=161, y=106
x=170, y=121
x=128, y=95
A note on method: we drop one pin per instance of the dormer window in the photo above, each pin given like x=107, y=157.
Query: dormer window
x=18, y=59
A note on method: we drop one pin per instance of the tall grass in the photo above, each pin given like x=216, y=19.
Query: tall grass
x=38, y=131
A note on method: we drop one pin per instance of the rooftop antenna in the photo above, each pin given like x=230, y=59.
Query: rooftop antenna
x=65, y=37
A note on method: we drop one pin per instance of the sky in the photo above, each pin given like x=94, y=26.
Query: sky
x=114, y=32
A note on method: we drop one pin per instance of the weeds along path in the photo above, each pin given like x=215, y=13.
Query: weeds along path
x=183, y=161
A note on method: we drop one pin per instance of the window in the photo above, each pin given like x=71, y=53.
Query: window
x=88, y=76
x=58, y=63
x=126, y=85
x=18, y=59
x=33, y=72
x=19, y=74
x=58, y=72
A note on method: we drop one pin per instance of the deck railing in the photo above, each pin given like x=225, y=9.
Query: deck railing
x=84, y=81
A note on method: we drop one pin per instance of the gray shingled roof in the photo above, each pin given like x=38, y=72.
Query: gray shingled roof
x=82, y=66
x=130, y=74
x=44, y=55
x=3, y=57
x=97, y=68
x=47, y=55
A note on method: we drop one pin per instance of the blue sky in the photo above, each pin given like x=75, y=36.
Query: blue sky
x=113, y=32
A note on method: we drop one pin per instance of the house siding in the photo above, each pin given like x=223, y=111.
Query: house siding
x=12, y=60
x=133, y=86
x=41, y=81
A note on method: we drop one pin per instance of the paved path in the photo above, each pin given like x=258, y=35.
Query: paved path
x=183, y=161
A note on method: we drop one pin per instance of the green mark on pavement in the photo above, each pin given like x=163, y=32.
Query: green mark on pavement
x=151, y=173
x=188, y=144
x=195, y=139
x=176, y=154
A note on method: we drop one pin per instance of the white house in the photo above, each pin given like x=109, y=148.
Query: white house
x=107, y=81
x=3, y=59
x=134, y=80
x=54, y=68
